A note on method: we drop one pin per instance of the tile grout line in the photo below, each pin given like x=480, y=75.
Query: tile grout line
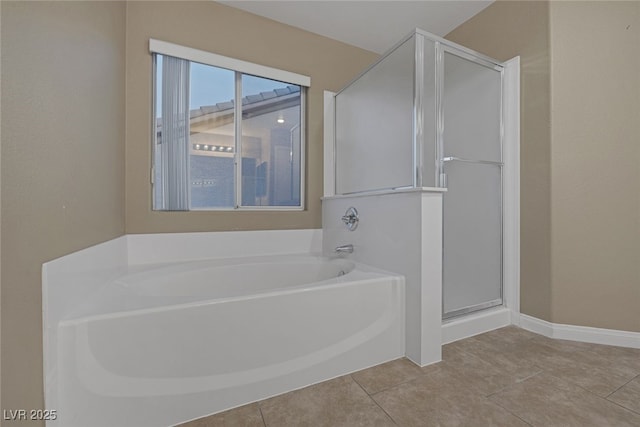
x=597, y=396
x=496, y=366
x=571, y=381
x=619, y=404
x=510, y=412
x=262, y=415
x=515, y=383
x=488, y=397
x=373, y=400
x=360, y=385
x=609, y=395
x=422, y=374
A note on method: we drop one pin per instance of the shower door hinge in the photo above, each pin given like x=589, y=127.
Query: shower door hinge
x=443, y=180
x=152, y=176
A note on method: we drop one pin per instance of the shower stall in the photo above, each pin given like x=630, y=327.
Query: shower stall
x=430, y=116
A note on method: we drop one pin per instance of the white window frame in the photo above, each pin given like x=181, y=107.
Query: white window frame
x=242, y=67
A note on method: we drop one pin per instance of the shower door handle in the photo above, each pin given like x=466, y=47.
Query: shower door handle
x=458, y=159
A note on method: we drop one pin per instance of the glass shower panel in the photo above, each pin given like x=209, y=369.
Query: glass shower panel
x=374, y=126
x=472, y=258
x=472, y=108
x=429, y=156
x=472, y=172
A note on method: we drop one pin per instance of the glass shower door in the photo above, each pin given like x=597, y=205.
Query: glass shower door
x=471, y=169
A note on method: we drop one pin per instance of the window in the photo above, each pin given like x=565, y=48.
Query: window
x=227, y=134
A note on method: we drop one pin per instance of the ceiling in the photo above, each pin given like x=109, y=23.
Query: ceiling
x=372, y=25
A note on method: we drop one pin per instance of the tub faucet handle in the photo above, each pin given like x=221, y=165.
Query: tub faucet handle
x=350, y=218
x=344, y=249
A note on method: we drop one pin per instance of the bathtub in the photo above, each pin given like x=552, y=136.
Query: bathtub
x=164, y=344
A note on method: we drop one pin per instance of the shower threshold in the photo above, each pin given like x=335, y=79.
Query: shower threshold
x=471, y=309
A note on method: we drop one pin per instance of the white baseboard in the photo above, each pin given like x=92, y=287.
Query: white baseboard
x=474, y=324
x=489, y=320
x=580, y=333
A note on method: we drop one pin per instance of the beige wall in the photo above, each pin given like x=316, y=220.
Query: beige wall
x=227, y=31
x=62, y=161
x=504, y=30
x=595, y=163
x=0, y=211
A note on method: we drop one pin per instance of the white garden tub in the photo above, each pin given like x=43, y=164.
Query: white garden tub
x=168, y=343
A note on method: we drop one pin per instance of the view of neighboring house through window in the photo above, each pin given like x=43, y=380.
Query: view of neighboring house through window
x=225, y=139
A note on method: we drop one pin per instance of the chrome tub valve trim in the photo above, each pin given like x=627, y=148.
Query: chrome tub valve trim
x=350, y=218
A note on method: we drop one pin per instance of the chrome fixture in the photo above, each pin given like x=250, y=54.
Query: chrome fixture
x=458, y=159
x=344, y=249
x=350, y=218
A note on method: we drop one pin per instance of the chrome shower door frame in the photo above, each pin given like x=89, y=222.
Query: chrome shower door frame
x=441, y=49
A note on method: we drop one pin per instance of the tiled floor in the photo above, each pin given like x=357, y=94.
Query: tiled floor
x=507, y=377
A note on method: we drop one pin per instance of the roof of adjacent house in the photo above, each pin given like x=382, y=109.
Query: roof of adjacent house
x=258, y=100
